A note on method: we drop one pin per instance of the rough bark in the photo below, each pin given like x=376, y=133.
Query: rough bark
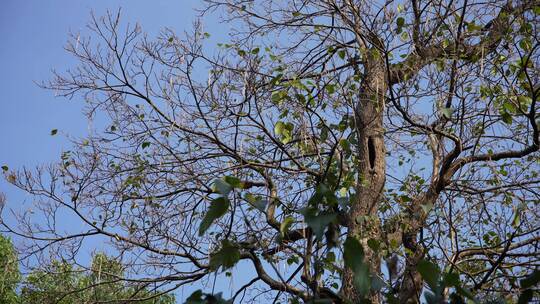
x=363, y=221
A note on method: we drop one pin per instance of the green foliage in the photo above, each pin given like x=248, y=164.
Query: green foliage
x=438, y=282
x=63, y=283
x=430, y=273
x=222, y=187
x=353, y=256
x=284, y=130
x=326, y=102
x=256, y=201
x=218, y=208
x=318, y=221
x=284, y=227
x=198, y=297
x=447, y=112
x=220, y=205
x=9, y=275
x=527, y=284
x=226, y=257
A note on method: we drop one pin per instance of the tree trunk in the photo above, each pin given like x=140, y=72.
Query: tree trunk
x=411, y=284
x=363, y=221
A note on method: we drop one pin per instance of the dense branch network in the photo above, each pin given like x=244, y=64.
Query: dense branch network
x=410, y=127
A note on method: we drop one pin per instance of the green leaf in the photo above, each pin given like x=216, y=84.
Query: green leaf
x=400, y=21
x=235, y=182
x=218, y=208
x=440, y=65
x=516, y=221
x=404, y=36
x=330, y=88
x=525, y=44
x=465, y=292
x=317, y=222
x=524, y=100
x=374, y=244
x=284, y=130
x=256, y=201
x=531, y=280
x=506, y=118
x=430, y=273
x=196, y=298
x=222, y=187
x=451, y=279
x=353, y=257
x=526, y=296
x=324, y=133
x=509, y=107
x=255, y=51
x=145, y=145
x=341, y=54
x=278, y=96
x=5, y=168
x=447, y=112
x=472, y=27
x=323, y=195
x=54, y=131
x=241, y=53
x=284, y=227
x=346, y=146
x=226, y=257
x=217, y=299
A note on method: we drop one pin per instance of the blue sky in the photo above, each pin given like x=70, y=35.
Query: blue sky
x=32, y=37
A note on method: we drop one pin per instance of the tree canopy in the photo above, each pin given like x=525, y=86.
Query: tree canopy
x=63, y=283
x=9, y=271
x=342, y=151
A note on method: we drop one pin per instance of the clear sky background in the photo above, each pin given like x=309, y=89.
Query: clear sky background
x=32, y=36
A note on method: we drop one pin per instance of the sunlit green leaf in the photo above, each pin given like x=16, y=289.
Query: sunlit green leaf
x=218, y=208
x=284, y=227
x=284, y=130
x=226, y=257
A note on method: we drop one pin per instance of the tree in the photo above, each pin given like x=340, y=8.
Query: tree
x=337, y=137
x=9, y=274
x=63, y=283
